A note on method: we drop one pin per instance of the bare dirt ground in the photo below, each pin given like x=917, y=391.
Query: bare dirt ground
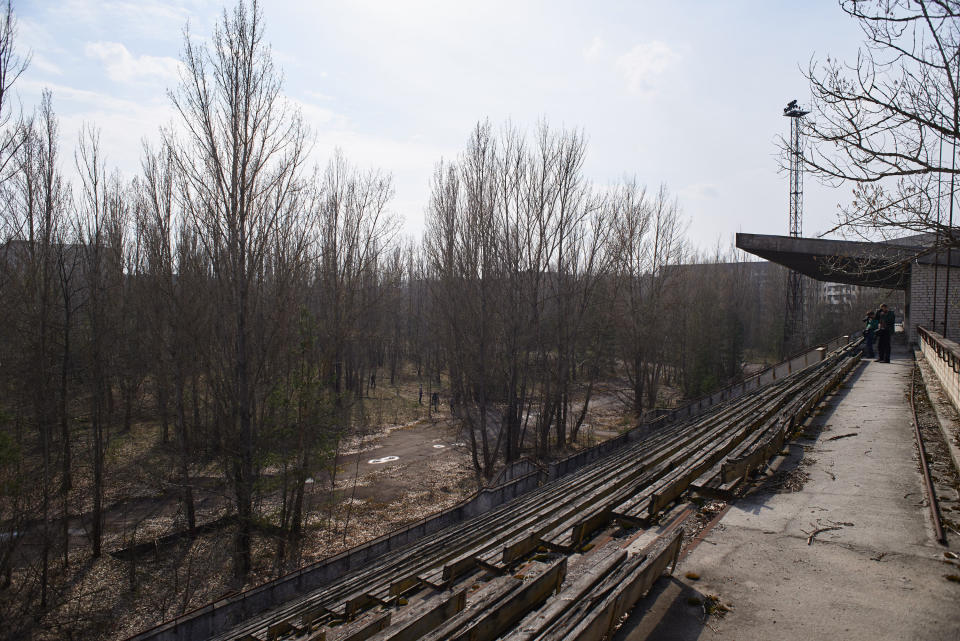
x=410, y=462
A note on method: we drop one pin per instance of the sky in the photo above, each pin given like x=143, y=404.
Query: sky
x=684, y=94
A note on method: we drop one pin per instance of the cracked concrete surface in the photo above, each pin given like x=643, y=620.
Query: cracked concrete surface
x=878, y=575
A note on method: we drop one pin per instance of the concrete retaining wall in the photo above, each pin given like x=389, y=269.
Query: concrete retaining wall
x=943, y=355
x=515, y=470
x=772, y=373
x=215, y=617
x=515, y=480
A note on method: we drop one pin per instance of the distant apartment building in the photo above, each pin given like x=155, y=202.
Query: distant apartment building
x=837, y=293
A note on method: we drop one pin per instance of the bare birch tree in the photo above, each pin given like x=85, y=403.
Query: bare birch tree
x=240, y=156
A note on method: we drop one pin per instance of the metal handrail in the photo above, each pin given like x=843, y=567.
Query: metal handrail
x=946, y=349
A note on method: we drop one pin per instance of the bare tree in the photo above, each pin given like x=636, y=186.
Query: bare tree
x=12, y=66
x=356, y=229
x=890, y=121
x=103, y=214
x=240, y=159
x=518, y=245
x=647, y=241
x=174, y=310
x=39, y=220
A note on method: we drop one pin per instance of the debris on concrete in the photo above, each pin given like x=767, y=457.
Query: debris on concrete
x=820, y=528
x=840, y=436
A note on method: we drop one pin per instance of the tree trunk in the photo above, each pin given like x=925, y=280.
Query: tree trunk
x=186, y=490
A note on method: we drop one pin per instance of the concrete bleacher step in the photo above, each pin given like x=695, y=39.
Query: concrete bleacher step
x=360, y=629
x=521, y=536
x=489, y=538
x=712, y=446
x=419, y=619
x=600, y=621
x=543, y=618
x=501, y=603
x=595, y=612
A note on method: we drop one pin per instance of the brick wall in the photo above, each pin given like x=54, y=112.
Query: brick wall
x=921, y=296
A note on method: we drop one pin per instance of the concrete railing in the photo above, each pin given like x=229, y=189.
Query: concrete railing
x=230, y=610
x=784, y=368
x=943, y=355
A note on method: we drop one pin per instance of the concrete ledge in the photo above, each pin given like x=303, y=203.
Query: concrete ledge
x=932, y=383
x=943, y=355
x=215, y=617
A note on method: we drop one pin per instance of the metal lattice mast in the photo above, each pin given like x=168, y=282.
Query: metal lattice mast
x=795, y=326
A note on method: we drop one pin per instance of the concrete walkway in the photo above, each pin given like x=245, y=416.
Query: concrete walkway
x=879, y=575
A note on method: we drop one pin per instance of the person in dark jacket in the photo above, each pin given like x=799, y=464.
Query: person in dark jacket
x=885, y=321
x=869, y=334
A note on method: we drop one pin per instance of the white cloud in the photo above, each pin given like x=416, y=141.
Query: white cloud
x=642, y=65
x=317, y=117
x=122, y=66
x=138, y=17
x=43, y=64
x=700, y=191
x=594, y=49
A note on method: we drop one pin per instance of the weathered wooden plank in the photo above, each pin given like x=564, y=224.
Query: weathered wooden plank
x=600, y=620
x=488, y=596
x=497, y=620
x=360, y=630
x=546, y=616
x=424, y=618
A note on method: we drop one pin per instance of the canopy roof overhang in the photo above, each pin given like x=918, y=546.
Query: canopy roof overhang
x=881, y=264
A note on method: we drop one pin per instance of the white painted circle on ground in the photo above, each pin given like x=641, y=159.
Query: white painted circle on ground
x=383, y=459
x=439, y=447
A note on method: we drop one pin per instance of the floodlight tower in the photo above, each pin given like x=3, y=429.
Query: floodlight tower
x=795, y=326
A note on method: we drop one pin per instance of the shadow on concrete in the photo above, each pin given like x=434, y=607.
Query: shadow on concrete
x=785, y=473
x=670, y=611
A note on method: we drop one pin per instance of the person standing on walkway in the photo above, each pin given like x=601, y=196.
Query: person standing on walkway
x=869, y=334
x=885, y=321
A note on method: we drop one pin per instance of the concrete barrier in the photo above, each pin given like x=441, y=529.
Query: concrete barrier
x=229, y=611
x=518, y=479
x=943, y=355
x=810, y=356
x=516, y=470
